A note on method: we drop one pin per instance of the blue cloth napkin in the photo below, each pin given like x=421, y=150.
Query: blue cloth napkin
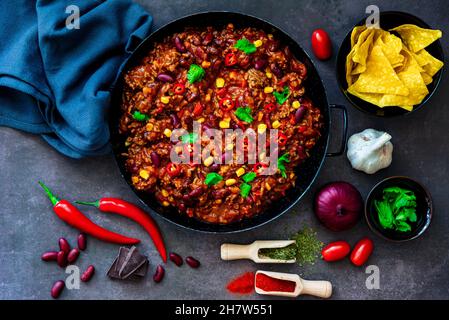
x=55, y=81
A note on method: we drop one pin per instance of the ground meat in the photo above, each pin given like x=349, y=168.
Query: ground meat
x=173, y=104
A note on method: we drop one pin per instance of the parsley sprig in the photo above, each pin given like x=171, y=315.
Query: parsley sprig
x=244, y=114
x=195, y=73
x=246, y=46
x=281, y=164
x=281, y=97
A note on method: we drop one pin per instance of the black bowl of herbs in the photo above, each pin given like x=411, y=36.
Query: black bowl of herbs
x=399, y=209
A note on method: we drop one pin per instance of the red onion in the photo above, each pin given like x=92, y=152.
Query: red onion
x=338, y=205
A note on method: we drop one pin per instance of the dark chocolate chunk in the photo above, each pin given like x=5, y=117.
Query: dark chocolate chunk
x=129, y=264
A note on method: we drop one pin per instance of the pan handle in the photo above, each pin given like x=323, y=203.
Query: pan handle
x=345, y=131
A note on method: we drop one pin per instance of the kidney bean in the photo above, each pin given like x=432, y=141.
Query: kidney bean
x=192, y=262
x=196, y=192
x=220, y=194
x=159, y=274
x=62, y=259
x=50, y=256
x=64, y=245
x=273, y=45
x=155, y=159
x=82, y=241
x=215, y=167
x=179, y=45
x=299, y=114
x=276, y=70
x=57, y=288
x=175, y=258
x=174, y=120
x=164, y=77
x=73, y=255
x=260, y=64
x=88, y=274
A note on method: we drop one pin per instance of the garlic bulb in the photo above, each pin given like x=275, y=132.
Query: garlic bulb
x=370, y=150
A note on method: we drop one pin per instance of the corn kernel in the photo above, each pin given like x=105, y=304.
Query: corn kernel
x=220, y=82
x=292, y=175
x=165, y=203
x=261, y=128
x=268, y=89
x=144, y=174
x=165, y=99
x=231, y=182
x=240, y=172
x=205, y=64
x=230, y=146
x=218, y=201
x=207, y=98
x=164, y=193
x=276, y=124
x=296, y=104
x=258, y=43
x=224, y=124
x=269, y=75
x=200, y=120
x=149, y=126
x=167, y=133
x=146, y=90
x=270, y=36
x=208, y=161
x=260, y=116
x=135, y=179
x=267, y=186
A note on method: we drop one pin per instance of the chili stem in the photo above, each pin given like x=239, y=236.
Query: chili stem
x=54, y=200
x=93, y=203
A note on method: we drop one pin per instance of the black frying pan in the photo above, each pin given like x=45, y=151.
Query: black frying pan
x=308, y=170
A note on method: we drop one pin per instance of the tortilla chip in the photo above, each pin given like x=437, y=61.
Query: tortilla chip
x=429, y=63
x=392, y=47
x=361, y=51
x=356, y=33
x=379, y=76
x=417, y=38
x=427, y=78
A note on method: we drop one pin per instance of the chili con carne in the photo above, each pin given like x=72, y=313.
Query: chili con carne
x=68, y=213
x=131, y=211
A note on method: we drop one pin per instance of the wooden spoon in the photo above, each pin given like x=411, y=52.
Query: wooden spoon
x=322, y=289
x=231, y=251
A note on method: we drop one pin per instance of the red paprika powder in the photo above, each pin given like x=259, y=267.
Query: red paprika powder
x=267, y=283
x=243, y=284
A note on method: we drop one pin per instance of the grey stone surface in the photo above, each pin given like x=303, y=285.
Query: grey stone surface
x=413, y=270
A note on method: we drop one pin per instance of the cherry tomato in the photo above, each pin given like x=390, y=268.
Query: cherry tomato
x=335, y=251
x=321, y=44
x=230, y=59
x=179, y=88
x=362, y=252
x=173, y=169
x=226, y=104
x=270, y=107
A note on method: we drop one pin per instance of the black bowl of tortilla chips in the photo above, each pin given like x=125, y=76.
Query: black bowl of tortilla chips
x=393, y=70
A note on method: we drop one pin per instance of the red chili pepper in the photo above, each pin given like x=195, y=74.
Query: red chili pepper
x=282, y=139
x=270, y=107
x=230, y=59
x=68, y=213
x=173, y=169
x=259, y=166
x=226, y=104
x=179, y=88
x=222, y=92
x=198, y=109
x=129, y=210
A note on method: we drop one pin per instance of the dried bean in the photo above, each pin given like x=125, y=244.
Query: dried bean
x=82, y=241
x=88, y=274
x=62, y=259
x=174, y=120
x=179, y=45
x=196, y=192
x=155, y=159
x=164, y=77
x=299, y=114
x=73, y=255
x=175, y=258
x=159, y=274
x=192, y=262
x=276, y=70
x=57, y=288
x=260, y=64
x=50, y=256
x=215, y=167
x=64, y=245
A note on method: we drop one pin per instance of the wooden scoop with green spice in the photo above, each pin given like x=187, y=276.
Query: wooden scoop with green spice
x=253, y=251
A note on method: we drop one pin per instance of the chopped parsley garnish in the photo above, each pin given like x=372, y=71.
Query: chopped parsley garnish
x=212, y=179
x=140, y=116
x=189, y=138
x=397, y=209
x=281, y=164
x=244, y=114
x=245, y=189
x=246, y=46
x=250, y=176
x=195, y=73
x=281, y=97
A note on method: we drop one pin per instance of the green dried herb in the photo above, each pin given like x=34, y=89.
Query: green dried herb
x=285, y=253
x=309, y=247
